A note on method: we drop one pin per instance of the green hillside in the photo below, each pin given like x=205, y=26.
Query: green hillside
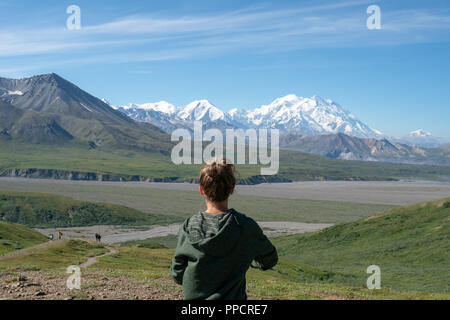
x=47, y=210
x=410, y=244
x=15, y=236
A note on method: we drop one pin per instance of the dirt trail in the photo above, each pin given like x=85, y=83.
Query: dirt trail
x=91, y=260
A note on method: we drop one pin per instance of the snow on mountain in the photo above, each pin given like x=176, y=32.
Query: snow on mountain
x=161, y=106
x=161, y=114
x=309, y=116
x=421, y=138
x=289, y=114
x=202, y=110
x=15, y=93
x=10, y=93
x=238, y=116
x=419, y=133
x=107, y=102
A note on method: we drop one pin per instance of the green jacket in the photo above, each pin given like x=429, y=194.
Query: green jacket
x=215, y=251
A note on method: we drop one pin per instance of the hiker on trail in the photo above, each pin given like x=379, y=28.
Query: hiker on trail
x=60, y=235
x=217, y=246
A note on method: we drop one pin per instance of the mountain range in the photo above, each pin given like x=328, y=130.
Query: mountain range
x=50, y=109
x=289, y=114
x=312, y=125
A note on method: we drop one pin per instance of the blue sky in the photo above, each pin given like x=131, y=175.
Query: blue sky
x=244, y=54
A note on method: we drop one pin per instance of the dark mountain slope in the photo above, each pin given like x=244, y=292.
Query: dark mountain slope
x=82, y=115
x=30, y=126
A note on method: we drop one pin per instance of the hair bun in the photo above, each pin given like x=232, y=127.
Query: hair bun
x=217, y=179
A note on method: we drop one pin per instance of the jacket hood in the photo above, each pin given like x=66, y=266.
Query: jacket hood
x=218, y=242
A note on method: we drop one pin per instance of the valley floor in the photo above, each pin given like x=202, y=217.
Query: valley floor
x=374, y=192
x=118, y=234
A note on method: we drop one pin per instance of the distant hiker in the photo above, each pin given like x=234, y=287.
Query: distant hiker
x=51, y=236
x=98, y=237
x=216, y=247
x=60, y=235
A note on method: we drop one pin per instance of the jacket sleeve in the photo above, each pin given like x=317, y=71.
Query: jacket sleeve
x=266, y=254
x=179, y=261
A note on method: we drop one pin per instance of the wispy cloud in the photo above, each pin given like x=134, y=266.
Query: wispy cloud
x=150, y=38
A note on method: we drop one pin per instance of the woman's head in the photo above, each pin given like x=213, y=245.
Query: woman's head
x=217, y=180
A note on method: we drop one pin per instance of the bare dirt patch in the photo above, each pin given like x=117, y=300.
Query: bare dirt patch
x=95, y=285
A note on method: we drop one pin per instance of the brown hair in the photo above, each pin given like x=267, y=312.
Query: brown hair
x=217, y=180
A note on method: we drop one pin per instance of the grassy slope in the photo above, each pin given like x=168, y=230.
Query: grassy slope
x=15, y=236
x=153, y=264
x=185, y=203
x=410, y=244
x=48, y=210
x=293, y=165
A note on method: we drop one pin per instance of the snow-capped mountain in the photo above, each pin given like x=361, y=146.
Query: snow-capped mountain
x=289, y=114
x=419, y=133
x=202, y=110
x=421, y=138
x=161, y=106
x=309, y=116
x=161, y=114
x=238, y=115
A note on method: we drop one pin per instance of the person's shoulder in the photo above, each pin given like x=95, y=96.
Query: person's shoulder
x=192, y=219
x=244, y=220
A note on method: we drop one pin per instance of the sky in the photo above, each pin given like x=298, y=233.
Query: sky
x=244, y=54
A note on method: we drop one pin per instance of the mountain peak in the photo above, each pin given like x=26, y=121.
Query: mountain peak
x=47, y=77
x=201, y=103
x=201, y=110
x=420, y=133
x=289, y=97
x=421, y=138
